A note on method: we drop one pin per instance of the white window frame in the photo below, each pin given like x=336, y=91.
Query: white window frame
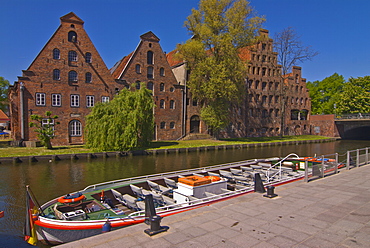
x=75, y=101
x=104, y=99
x=90, y=101
x=40, y=99
x=75, y=128
x=56, y=100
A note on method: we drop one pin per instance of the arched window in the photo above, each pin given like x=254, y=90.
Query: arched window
x=172, y=104
x=150, y=86
x=137, y=85
x=56, y=74
x=88, y=77
x=150, y=72
x=88, y=57
x=72, y=76
x=163, y=125
x=75, y=128
x=56, y=53
x=161, y=87
x=72, y=36
x=149, y=57
x=162, y=104
x=138, y=69
x=72, y=56
x=161, y=72
x=172, y=125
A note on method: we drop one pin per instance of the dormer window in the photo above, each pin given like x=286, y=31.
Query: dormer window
x=72, y=36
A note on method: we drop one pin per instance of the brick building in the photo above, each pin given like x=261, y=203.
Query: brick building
x=262, y=112
x=67, y=77
x=148, y=65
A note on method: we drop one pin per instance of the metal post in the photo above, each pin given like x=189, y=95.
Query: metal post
x=336, y=163
x=357, y=157
x=348, y=159
x=322, y=167
x=306, y=171
x=367, y=155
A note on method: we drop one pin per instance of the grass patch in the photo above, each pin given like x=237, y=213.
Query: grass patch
x=37, y=151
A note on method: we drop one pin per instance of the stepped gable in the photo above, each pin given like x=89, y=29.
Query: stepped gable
x=72, y=18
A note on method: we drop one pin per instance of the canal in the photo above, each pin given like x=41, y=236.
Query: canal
x=50, y=180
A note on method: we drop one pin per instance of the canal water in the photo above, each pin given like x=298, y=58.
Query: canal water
x=50, y=180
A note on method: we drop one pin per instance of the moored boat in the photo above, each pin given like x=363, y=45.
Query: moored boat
x=82, y=214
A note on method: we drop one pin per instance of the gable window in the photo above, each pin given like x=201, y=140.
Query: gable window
x=72, y=56
x=88, y=57
x=138, y=68
x=172, y=104
x=75, y=100
x=150, y=86
x=75, y=128
x=161, y=104
x=40, y=99
x=56, y=74
x=88, y=77
x=56, y=100
x=72, y=76
x=90, y=101
x=56, y=53
x=149, y=57
x=163, y=125
x=161, y=72
x=172, y=125
x=161, y=87
x=72, y=36
x=104, y=99
x=150, y=72
x=137, y=85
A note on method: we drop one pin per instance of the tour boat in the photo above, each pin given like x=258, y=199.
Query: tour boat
x=122, y=202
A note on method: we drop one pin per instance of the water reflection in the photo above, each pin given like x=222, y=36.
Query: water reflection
x=50, y=180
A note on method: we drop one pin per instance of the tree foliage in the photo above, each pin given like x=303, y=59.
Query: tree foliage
x=218, y=28
x=355, y=96
x=122, y=124
x=44, y=127
x=4, y=87
x=325, y=94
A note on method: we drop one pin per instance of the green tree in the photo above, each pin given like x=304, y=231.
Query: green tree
x=124, y=123
x=44, y=127
x=219, y=28
x=4, y=86
x=355, y=96
x=325, y=94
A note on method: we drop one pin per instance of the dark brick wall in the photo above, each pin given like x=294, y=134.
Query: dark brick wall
x=323, y=125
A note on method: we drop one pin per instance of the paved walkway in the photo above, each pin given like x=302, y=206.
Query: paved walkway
x=330, y=212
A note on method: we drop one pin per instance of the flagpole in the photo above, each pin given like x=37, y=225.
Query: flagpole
x=35, y=200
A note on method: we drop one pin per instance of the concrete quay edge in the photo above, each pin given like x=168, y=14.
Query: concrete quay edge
x=330, y=212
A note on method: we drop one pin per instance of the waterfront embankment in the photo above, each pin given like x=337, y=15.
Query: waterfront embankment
x=17, y=155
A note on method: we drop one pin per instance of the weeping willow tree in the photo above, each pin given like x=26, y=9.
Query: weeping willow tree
x=122, y=124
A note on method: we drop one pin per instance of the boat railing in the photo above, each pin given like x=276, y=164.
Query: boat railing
x=161, y=175
x=278, y=165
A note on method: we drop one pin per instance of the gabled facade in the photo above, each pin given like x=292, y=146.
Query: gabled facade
x=148, y=65
x=272, y=101
x=67, y=77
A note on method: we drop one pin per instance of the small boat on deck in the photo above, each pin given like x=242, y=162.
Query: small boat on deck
x=82, y=214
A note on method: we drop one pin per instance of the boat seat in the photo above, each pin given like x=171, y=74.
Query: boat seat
x=236, y=172
x=209, y=194
x=256, y=167
x=228, y=175
x=170, y=183
x=163, y=200
x=226, y=190
x=199, y=175
x=213, y=174
x=140, y=192
x=264, y=165
x=158, y=188
x=245, y=168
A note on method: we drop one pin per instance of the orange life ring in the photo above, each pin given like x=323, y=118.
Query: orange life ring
x=70, y=200
x=213, y=178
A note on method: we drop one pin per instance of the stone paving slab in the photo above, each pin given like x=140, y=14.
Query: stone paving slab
x=329, y=212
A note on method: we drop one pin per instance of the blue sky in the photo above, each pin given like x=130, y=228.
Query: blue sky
x=338, y=29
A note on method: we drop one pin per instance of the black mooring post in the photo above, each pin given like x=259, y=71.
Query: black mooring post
x=258, y=185
x=270, y=192
x=151, y=218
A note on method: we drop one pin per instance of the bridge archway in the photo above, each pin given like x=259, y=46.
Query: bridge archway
x=358, y=133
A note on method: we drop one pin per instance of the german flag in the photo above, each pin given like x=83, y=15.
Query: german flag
x=31, y=213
